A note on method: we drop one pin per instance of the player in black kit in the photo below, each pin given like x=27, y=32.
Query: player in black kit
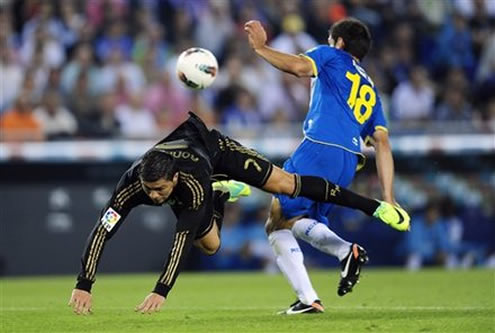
x=179, y=171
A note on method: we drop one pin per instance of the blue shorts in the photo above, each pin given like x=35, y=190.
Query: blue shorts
x=314, y=159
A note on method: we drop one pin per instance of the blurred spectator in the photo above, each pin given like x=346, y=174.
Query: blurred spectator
x=72, y=22
x=453, y=106
x=117, y=69
x=413, y=99
x=53, y=82
x=470, y=8
x=485, y=76
x=244, y=243
x=79, y=99
x=12, y=73
x=8, y=37
x=150, y=50
x=56, y=121
x=100, y=12
x=19, y=123
x=214, y=26
x=100, y=121
x=462, y=253
x=428, y=240
x=203, y=109
x=489, y=116
x=135, y=120
x=258, y=246
x=45, y=23
x=169, y=103
x=81, y=61
x=321, y=14
x=454, y=46
x=242, y=114
x=46, y=44
x=293, y=39
x=231, y=252
x=433, y=11
x=115, y=38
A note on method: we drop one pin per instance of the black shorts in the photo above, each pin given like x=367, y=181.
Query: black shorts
x=232, y=160
x=228, y=159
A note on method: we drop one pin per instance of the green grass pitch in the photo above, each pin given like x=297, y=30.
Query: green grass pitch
x=384, y=301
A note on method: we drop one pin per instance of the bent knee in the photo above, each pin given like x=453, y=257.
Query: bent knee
x=210, y=248
x=276, y=220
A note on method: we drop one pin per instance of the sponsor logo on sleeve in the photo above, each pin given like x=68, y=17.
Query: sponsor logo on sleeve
x=110, y=219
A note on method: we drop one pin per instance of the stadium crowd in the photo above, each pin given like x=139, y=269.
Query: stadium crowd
x=105, y=68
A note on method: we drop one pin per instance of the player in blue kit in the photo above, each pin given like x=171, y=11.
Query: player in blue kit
x=344, y=107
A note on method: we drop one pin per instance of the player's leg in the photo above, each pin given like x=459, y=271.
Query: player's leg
x=290, y=260
x=209, y=243
x=351, y=256
x=208, y=239
x=321, y=190
x=321, y=237
x=317, y=189
x=247, y=165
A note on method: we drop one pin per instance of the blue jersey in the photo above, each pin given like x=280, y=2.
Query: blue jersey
x=344, y=102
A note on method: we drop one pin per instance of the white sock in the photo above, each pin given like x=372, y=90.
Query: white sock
x=290, y=260
x=319, y=236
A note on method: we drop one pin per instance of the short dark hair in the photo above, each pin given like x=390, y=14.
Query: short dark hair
x=356, y=36
x=155, y=165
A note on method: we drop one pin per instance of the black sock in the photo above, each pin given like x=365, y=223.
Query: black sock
x=219, y=200
x=320, y=189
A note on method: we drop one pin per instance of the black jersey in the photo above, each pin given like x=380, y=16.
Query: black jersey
x=201, y=155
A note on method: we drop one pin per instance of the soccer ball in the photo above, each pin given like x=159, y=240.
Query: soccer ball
x=197, y=68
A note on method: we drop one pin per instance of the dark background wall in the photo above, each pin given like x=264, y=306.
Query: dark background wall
x=48, y=209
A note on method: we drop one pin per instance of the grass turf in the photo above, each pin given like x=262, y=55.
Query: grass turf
x=385, y=301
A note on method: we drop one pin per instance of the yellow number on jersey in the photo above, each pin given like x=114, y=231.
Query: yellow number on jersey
x=366, y=98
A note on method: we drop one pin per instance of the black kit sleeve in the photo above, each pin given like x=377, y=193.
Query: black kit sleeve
x=127, y=195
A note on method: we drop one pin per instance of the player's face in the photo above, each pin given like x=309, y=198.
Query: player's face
x=160, y=190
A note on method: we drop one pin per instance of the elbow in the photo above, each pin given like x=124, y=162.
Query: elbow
x=382, y=144
x=296, y=71
x=299, y=69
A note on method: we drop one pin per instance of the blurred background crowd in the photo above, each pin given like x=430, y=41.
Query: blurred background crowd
x=105, y=69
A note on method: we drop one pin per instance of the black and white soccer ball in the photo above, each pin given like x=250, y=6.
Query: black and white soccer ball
x=197, y=68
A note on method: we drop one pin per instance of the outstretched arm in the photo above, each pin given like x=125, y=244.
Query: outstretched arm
x=127, y=195
x=298, y=65
x=188, y=221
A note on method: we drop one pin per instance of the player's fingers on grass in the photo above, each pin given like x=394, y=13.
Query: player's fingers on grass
x=151, y=306
x=85, y=308
x=138, y=307
x=142, y=306
x=145, y=308
x=76, y=306
x=156, y=307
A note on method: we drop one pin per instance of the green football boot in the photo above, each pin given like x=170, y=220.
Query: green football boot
x=393, y=215
x=236, y=189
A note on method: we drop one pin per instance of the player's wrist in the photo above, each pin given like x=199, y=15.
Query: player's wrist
x=84, y=284
x=260, y=48
x=161, y=289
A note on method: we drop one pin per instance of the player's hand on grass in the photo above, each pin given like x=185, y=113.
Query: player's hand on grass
x=152, y=303
x=256, y=34
x=80, y=301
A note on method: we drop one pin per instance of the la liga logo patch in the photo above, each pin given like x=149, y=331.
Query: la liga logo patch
x=110, y=219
